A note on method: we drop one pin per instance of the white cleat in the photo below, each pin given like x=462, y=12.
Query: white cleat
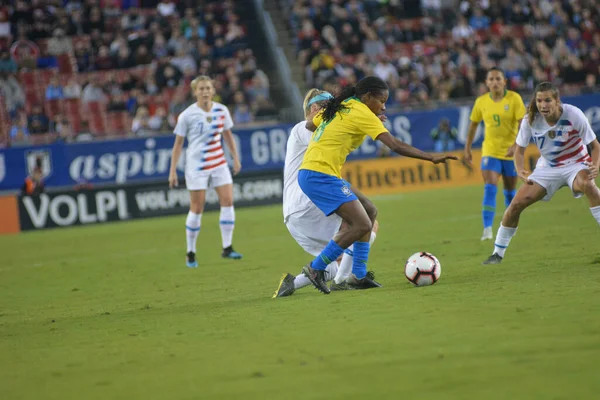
x=488, y=234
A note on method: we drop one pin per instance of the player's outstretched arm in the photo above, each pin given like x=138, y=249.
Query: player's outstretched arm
x=175, y=154
x=406, y=150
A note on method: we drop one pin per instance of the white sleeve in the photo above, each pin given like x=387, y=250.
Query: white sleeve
x=524, y=136
x=304, y=135
x=228, y=124
x=586, y=133
x=181, y=128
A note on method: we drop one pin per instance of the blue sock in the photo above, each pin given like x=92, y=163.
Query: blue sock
x=508, y=196
x=330, y=253
x=489, y=204
x=359, y=261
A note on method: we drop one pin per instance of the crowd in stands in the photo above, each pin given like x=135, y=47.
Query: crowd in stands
x=78, y=69
x=431, y=55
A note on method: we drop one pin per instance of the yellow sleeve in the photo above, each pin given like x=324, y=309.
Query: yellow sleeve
x=519, y=107
x=317, y=119
x=476, y=115
x=370, y=124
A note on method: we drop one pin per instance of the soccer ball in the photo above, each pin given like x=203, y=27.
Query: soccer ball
x=422, y=269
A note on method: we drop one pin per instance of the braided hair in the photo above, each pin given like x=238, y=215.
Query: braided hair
x=364, y=86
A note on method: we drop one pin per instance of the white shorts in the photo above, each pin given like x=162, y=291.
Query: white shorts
x=552, y=179
x=313, y=230
x=202, y=180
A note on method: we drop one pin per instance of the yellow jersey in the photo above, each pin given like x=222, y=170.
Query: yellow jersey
x=332, y=141
x=501, y=122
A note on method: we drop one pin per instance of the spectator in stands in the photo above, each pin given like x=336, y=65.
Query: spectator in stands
x=54, y=91
x=444, y=136
x=159, y=122
x=142, y=56
x=25, y=53
x=7, y=64
x=37, y=121
x=19, y=133
x=177, y=105
x=13, y=93
x=64, y=129
x=103, y=60
x=117, y=102
x=92, y=93
x=167, y=8
x=462, y=30
x=590, y=84
x=124, y=59
x=72, y=90
x=184, y=62
x=84, y=133
x=59, y=43
x=242, y=114
x=141, y=122
x=150, y=86
x=168, y=76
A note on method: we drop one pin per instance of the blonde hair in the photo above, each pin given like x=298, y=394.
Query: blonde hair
x=199, y=79
x=309, y=96
x=532, y=110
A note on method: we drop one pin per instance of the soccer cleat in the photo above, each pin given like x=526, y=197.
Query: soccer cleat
x=488, y=234
x=286, y=286
x=339, y=286
x=493, y=259
x=368, y=282
x=229, y=252
x=191, y=262
x=316, y=277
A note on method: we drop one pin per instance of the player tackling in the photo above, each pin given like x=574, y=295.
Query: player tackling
x=561, y=132
x=204, y=123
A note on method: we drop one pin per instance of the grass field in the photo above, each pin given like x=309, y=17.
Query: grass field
x=111, y=311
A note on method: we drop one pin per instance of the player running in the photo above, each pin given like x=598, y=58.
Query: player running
x=204, y=123
x=561, y=132
x=501, y=111
x=338, y=130
x=304, y=220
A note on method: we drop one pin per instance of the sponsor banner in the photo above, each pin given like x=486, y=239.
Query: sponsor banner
x=70, y=208
x=399, y=174
x=261, y=149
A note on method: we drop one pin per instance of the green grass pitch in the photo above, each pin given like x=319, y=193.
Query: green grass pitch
x=111, y=311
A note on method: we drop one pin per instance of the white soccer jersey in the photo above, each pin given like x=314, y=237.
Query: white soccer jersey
x=203, y=132
x=562, y=144
x=294, y=199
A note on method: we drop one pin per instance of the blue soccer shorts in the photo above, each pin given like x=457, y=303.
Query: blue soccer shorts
x=328, y=192
x=503, y=167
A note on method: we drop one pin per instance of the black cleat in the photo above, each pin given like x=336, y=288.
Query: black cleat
x=191, y=262
x=286, y=286
x=368, y=282
x=316, y=277
x=493, y=259
x=229, y=252
x=339, y=286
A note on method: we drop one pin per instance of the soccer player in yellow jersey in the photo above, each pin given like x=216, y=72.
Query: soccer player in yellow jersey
x=501, y=111
x=338, y=130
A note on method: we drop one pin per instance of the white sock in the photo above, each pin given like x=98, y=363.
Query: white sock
x=227, y=223
x=503, y=239
x=345, y=268
x=596, y=213
x=301, y=280
x=192, y=229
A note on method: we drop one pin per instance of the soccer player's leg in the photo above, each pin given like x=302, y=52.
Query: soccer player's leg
x=331, y=194
x=490, y=170
x=583, y=182
x=509, y=179
x=345, y=268
x=222, y=182
x=196, y=184
x=537, y=188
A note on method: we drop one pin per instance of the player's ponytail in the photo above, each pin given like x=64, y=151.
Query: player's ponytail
x=532, y=110
x=334, y=105
x=364, y=86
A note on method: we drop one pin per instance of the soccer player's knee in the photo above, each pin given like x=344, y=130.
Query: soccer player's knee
x=364, y=227
x=588, y=186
